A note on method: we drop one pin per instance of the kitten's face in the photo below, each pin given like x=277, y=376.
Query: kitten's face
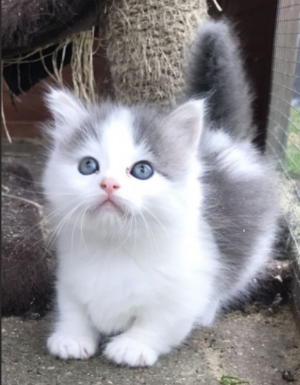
x=110, y=162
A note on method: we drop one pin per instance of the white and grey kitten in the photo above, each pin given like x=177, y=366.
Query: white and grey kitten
x=162, y=218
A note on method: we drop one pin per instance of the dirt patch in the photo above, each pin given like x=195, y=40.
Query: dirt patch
x=253, y=347
x=26, y=276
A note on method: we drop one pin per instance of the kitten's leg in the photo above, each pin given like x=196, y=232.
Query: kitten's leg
x=74, y=336
x=148, y=338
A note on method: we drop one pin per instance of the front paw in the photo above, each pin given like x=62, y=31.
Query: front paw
x=69, y=347
x=126, y=351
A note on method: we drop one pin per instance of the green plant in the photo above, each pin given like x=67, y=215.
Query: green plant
x=228, y=380
x=292, y=160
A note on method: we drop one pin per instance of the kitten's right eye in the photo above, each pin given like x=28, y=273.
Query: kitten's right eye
x=88, y=166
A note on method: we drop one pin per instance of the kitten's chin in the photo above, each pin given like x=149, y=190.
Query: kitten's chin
x=107, y=218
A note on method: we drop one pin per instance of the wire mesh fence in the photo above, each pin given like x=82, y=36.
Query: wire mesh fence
x=283, y=137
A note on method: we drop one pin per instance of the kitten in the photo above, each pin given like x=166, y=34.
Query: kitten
x=161, y=218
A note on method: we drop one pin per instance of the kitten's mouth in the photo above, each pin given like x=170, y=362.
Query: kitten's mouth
x=109, y=205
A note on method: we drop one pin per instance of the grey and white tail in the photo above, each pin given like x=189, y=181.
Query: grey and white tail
x=216, y=73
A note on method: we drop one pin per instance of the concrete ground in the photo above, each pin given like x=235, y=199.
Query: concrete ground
x=258, y=347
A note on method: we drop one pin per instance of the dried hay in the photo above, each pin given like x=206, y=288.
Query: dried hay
x=146, y=45
x=81, y=66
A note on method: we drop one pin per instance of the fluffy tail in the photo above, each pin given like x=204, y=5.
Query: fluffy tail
x=216, y=73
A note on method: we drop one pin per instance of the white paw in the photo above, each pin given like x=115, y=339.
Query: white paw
x=127, y=351
x=69, y=347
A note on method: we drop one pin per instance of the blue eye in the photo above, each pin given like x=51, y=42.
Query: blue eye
x=88, y=166
x=142, y=170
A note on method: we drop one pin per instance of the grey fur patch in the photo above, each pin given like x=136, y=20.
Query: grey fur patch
x=169, y=149
x=89, y=128
x=216, y=73
x=238, y=211
x=86, y=130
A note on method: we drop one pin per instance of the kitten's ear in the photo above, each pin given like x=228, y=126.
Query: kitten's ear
x=64, y=105
x=185, y=124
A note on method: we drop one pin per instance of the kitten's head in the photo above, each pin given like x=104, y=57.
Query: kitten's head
x=110, y=162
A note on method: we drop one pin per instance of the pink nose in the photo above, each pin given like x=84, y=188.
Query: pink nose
x=109, y=185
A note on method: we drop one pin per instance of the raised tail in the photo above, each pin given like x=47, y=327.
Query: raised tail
x=216, y=73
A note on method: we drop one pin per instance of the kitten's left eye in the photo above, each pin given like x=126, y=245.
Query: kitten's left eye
x=142, y=170
x=88, y=166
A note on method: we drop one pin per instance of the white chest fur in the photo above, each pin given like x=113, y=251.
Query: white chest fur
x=115, y=284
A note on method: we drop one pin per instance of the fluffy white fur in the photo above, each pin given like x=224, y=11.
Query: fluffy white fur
x=145, y=274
